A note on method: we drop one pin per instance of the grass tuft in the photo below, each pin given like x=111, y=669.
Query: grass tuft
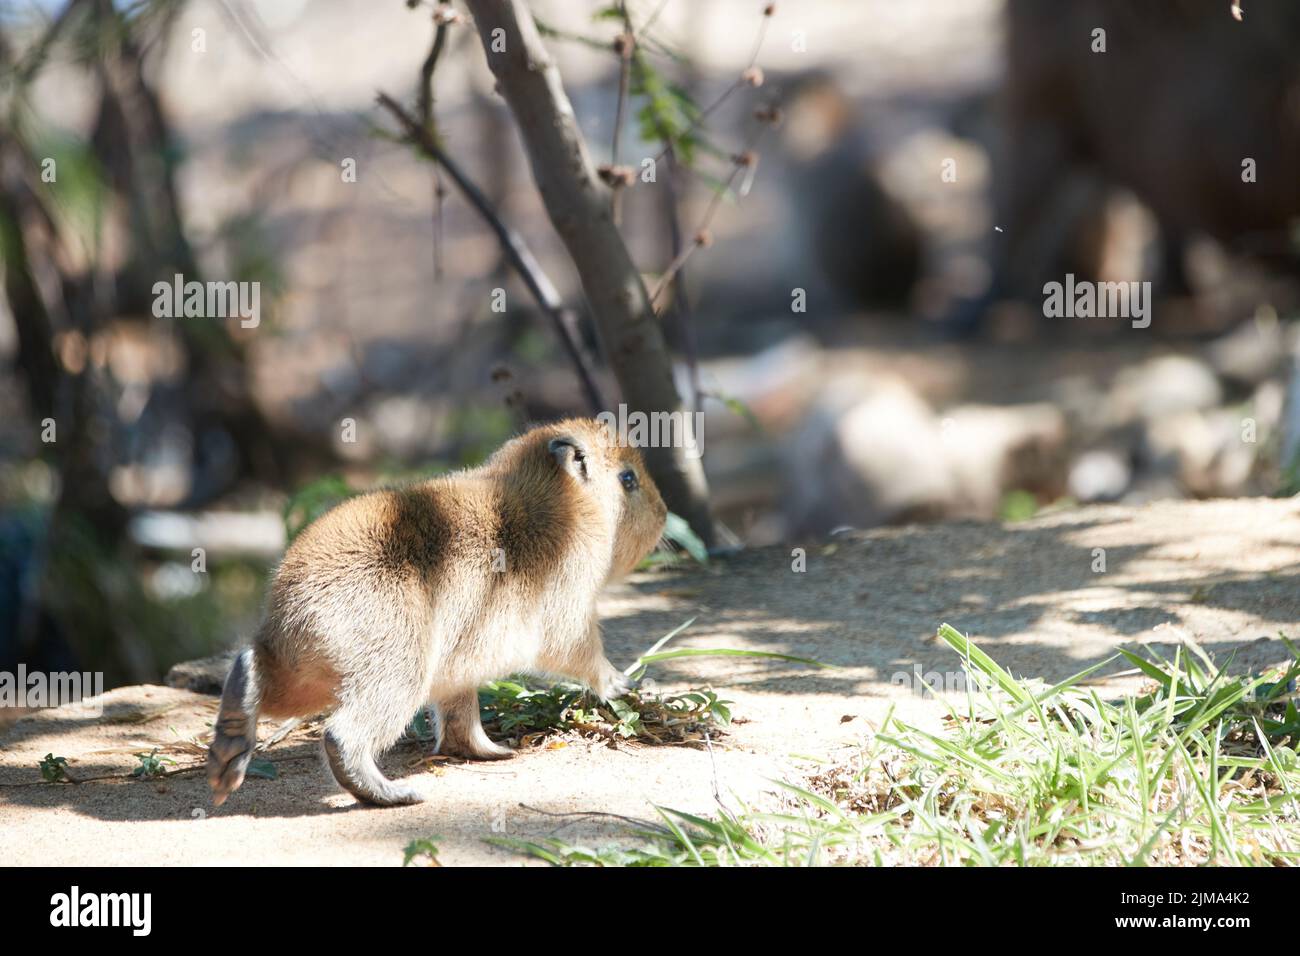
x=1198, y=768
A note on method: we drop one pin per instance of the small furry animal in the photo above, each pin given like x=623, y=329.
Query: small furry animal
x=412, y=596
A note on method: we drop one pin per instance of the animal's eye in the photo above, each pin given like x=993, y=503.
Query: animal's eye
x=629, y=480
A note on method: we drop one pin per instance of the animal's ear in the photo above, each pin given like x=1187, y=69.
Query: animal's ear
x=570, y=455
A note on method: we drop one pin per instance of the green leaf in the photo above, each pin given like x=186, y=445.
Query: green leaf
x=1013, y=688
x=678, y=531
x=427, y=846
x=263, y=769
x=731, y=652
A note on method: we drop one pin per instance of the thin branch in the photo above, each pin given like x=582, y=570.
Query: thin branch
x=35, y=58
x=443, y=20
x=768, y=10
x=426, y=72
x=654, y=16
x=517, y=253
x=751, y=75
x=747, y=162
x=439, y=196
x=625, y=47
x=681, y=305
x=702, y=235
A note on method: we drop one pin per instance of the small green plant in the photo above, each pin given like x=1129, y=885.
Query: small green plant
x=151, y=765
x=427, y=848
x=527, y=711
x=1018, y=505
x=519, y=709
x=54, y=769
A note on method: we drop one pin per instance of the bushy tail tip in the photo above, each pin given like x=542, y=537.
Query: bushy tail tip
x=235, y=733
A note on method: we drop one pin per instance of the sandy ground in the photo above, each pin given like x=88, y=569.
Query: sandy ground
x=1223, y=572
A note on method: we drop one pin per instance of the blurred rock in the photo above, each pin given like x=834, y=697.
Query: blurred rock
x=204, y=676
x=1251, y=352
x=1267, y=405
x=220, y=532
x=992, y=450
x=408, y=427
x=1168, y=385
x=1204, y=450
x=1103, y=474
x=883, y=456
x=866, y=461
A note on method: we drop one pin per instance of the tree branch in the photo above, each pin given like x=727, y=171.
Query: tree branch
x=517, y=253
x=625, y=46
x=443, y=21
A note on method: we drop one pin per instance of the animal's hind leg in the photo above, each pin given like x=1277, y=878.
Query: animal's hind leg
x=461, y=729
x=354, y=735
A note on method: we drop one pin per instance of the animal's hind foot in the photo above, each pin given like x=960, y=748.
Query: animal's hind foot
x=484, y=749
x=355, y=770
x=461, y=730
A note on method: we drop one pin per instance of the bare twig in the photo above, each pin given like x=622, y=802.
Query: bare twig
x=444, y=19
x=681, y=305
x=681, y=308
x=654, y=16
x=703, y=237
x=428, y=66
x=751, y=75
x=516, y=251
x=625, y=47
x=35, y=58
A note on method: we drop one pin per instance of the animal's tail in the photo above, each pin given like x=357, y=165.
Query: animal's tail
x=235, y=733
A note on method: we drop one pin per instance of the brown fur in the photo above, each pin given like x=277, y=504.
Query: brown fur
x=398, y=598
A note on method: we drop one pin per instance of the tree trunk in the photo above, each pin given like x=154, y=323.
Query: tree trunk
x=578, y=205
x=134, y=146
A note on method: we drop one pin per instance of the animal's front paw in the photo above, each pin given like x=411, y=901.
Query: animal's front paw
x=614, y=684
